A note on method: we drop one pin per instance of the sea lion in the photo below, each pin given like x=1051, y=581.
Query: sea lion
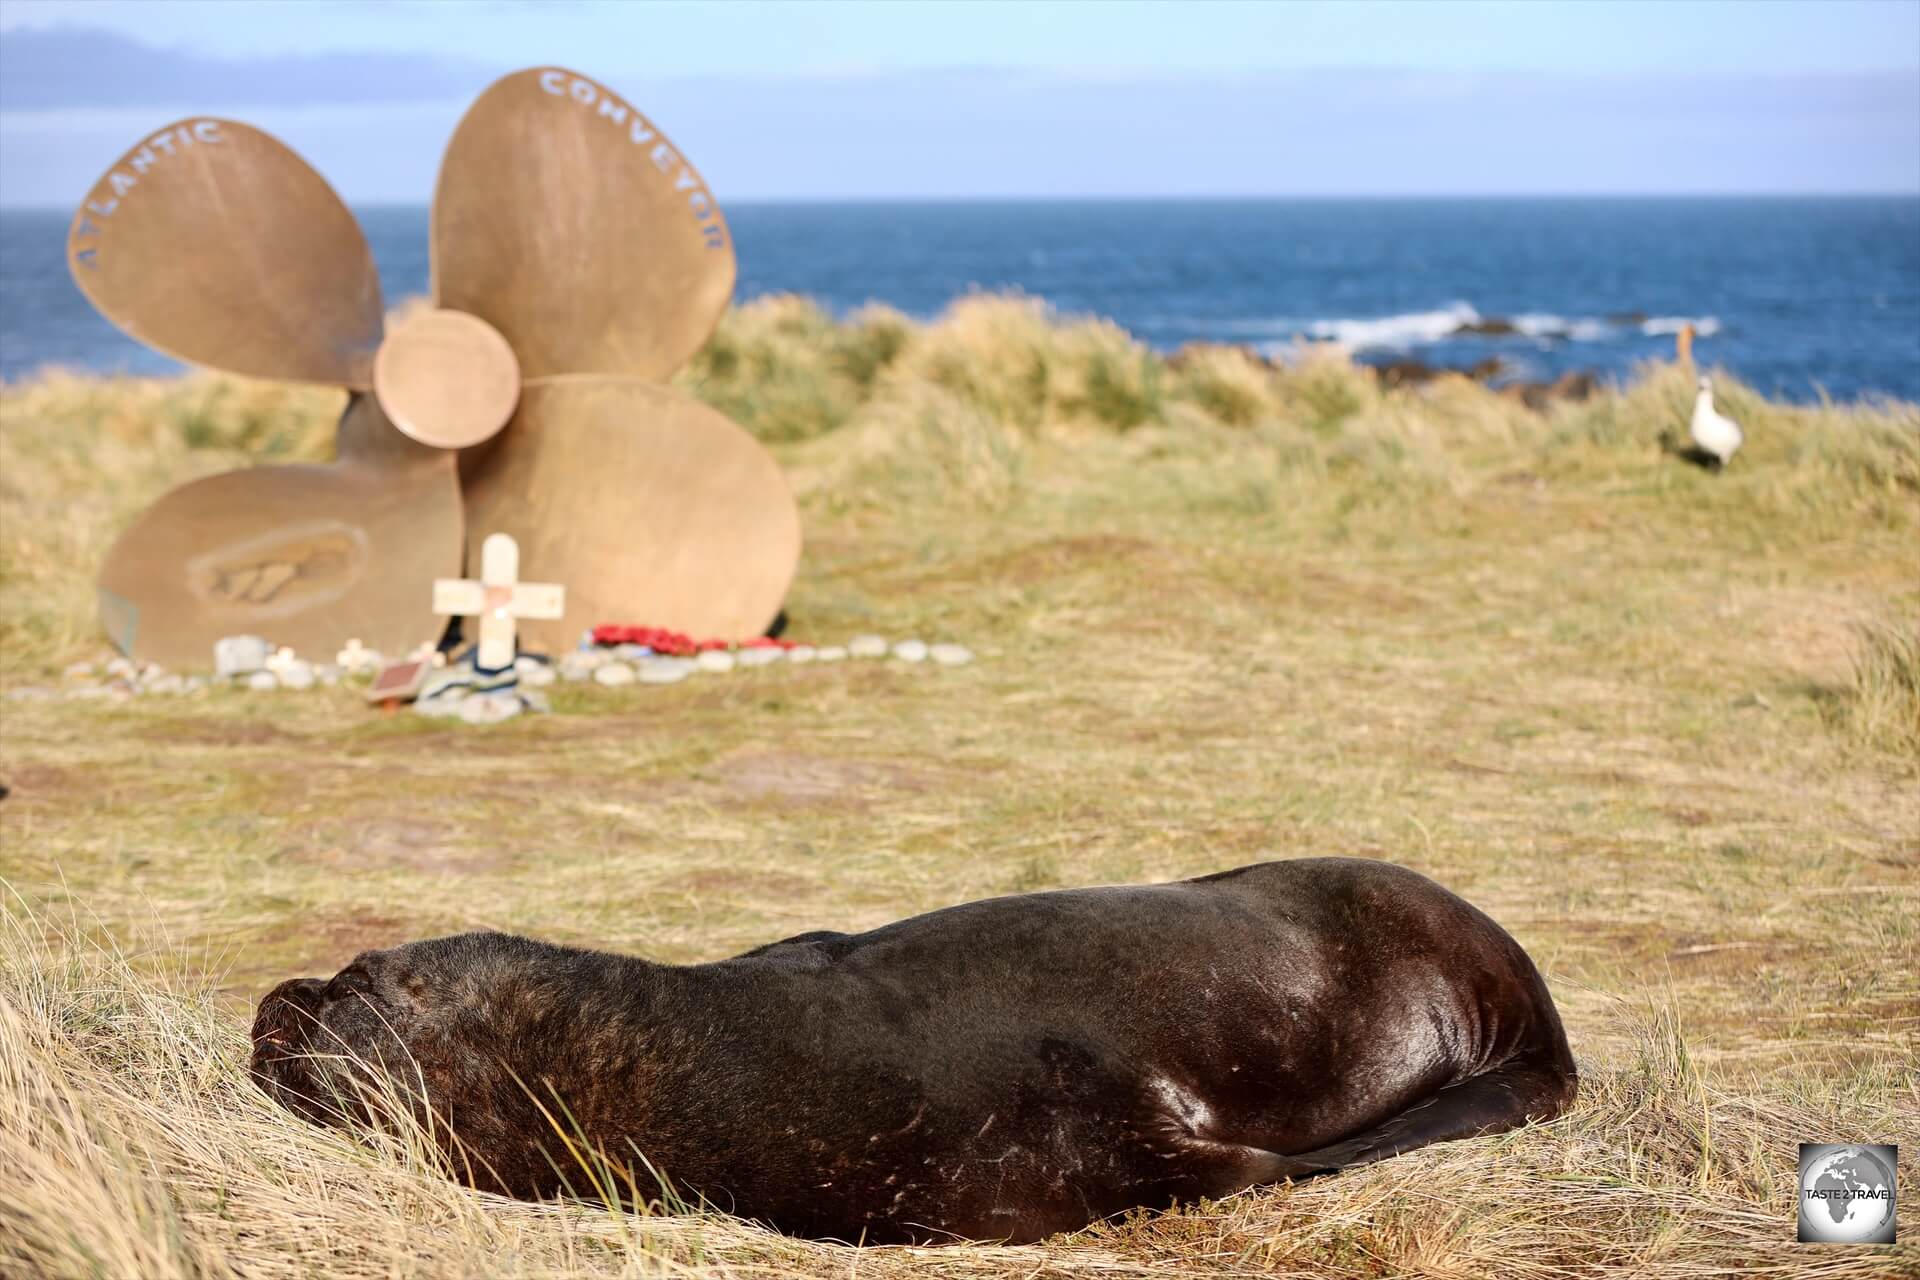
x=1002, y=1070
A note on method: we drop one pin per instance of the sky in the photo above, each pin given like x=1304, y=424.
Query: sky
x=931, y=99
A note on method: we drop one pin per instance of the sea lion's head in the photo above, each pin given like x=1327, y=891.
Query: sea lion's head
x=486, y=1041
x=328, y=1048
x=472, y=1017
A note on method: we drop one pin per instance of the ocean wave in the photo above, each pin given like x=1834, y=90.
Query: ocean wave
x=1546, y=325
x=1666, y=326
x=1408, y=330
x=1395, y=332
x=1461, y=319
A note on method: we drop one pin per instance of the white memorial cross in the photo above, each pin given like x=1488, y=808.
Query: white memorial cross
x=497, y=599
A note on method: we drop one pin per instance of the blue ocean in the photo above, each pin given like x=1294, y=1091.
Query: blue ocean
x=1802, y=298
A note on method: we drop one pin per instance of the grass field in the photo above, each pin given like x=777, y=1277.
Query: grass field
x=1663, y=725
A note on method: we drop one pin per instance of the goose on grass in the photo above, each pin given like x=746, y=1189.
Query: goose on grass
x=1716, y=437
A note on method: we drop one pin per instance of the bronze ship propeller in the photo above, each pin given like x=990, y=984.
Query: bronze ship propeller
x=577, y=261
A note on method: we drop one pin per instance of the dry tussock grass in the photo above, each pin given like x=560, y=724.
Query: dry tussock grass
x=1660, y=724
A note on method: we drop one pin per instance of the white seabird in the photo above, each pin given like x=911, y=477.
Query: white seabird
x=1716, y=435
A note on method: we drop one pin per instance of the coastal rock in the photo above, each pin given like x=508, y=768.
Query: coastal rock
x=613, y=674
x=1413, y=373
x=261, y=681
x=911, y=651
x=868, y=646
x=240, y=655
x=715, y=660
x=951, y=655
x=1490, y=326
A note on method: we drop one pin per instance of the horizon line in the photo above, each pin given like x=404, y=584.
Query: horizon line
x=1277, y=198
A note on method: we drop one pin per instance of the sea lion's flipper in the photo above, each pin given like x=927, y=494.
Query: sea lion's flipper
x=1507, y=1097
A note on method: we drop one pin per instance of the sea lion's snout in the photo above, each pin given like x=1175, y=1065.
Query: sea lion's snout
x=284, y=1014
x=282, y=1045
x=316, y=1041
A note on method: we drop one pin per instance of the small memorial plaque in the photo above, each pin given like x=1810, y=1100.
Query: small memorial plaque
x=399, y=681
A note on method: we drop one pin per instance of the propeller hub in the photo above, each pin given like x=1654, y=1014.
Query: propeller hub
x=447, y=379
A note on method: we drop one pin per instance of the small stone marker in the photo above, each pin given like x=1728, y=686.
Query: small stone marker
x=664, y=670
x=911, y=651
x=236, y=655
x=497, y=600
x=951, y=655
x=867, y=646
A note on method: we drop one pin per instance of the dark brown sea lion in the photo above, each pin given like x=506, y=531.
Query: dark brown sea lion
x=1003, y=1070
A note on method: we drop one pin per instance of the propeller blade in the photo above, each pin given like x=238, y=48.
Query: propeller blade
x=648, y=506
x=217, y=244
x=567, y=221
x=309, y=556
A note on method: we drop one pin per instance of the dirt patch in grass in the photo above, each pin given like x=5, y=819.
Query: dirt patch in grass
x=31, y=782
x=1099, y=554
x=734, y=882
x=217, y=730
x=416, y=844
x=795, y=778
x=326, y=944
x=1688, y=817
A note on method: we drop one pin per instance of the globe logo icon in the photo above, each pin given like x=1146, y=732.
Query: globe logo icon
x=1847, y=1194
